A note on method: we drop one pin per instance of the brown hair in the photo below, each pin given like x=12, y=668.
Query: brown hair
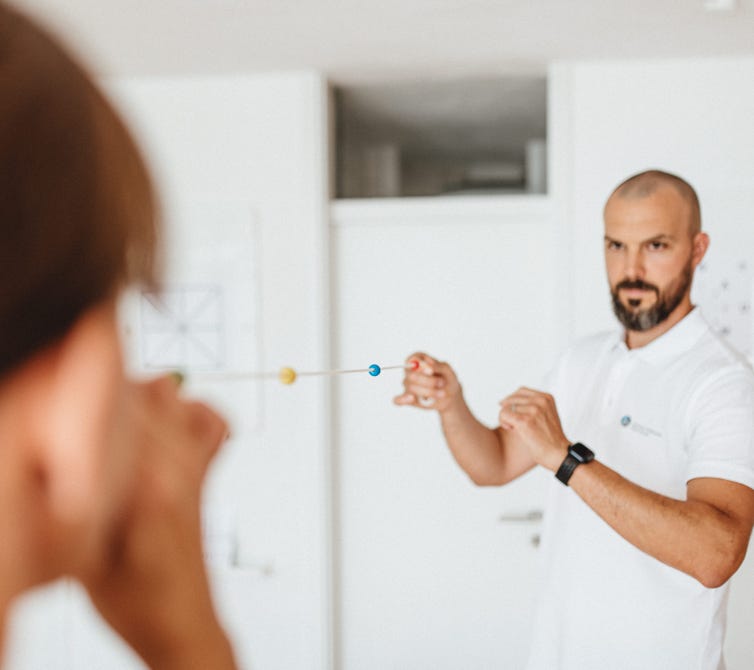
x=77, y=209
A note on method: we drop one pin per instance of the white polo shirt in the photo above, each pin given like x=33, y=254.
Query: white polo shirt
x=678, y=408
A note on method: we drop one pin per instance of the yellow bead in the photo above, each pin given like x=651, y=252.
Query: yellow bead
x=178, y=377
x=287, y=375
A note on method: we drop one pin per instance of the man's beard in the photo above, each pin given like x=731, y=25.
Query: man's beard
x=667, y=300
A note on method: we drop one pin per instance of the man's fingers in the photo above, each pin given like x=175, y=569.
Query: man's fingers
x=427, y=365
x=411, y=400
x=533, y=395
x=514, y=410
x=524, y=397
x=517, y=408
x=426, y=385
x=416, y=381
x=424, y=391
x=405, y=399
x=422, y=358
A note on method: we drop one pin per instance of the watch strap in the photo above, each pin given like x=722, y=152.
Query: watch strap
x=566, y=468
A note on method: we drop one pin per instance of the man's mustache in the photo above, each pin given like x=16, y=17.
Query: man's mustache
x=636, y=284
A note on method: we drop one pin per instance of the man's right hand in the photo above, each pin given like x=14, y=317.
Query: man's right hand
x=433, y=385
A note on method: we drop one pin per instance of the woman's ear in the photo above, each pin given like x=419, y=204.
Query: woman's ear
x=81, y=380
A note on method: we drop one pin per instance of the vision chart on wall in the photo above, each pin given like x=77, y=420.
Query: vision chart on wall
x=204, y=320
x=724, y=289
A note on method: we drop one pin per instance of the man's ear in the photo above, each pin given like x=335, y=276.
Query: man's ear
x=700, y=244
x=81, y=379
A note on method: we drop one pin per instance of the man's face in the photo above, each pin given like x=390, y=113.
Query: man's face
x=649, y=255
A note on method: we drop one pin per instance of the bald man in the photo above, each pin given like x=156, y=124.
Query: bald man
x=649, y=433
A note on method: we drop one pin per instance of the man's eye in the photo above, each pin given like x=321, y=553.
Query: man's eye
x=658, y=246
x=615, y=246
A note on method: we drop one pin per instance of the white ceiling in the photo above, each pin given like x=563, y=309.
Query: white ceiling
x=356, y=41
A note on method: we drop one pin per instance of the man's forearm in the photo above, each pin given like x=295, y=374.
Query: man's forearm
x=691, y=536
x=477, y=449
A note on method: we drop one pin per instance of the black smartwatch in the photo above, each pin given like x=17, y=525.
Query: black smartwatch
x=577, y=454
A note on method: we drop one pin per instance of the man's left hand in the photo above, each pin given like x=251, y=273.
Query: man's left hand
x=534, y=417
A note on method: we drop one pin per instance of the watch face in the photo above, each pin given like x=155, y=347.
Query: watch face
x=581, y=452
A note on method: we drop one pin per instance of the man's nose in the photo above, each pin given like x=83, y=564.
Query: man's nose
x=634, y=265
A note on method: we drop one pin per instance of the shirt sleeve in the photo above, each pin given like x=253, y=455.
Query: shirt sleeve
x=720, y=440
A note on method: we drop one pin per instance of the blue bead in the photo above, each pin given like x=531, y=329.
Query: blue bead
x=374, y=369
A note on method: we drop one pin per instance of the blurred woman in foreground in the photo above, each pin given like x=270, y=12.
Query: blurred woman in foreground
x=100, y=477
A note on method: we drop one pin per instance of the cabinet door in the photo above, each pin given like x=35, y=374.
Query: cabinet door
x=434, y=572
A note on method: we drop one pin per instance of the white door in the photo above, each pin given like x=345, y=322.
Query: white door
x=429, y=576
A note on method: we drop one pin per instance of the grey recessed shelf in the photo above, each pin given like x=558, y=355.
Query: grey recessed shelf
x=471, y=136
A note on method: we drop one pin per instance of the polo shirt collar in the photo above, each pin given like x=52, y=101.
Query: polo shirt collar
x=679, y=339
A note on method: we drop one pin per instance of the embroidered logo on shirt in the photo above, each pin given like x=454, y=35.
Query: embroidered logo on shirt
x=626, y=421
